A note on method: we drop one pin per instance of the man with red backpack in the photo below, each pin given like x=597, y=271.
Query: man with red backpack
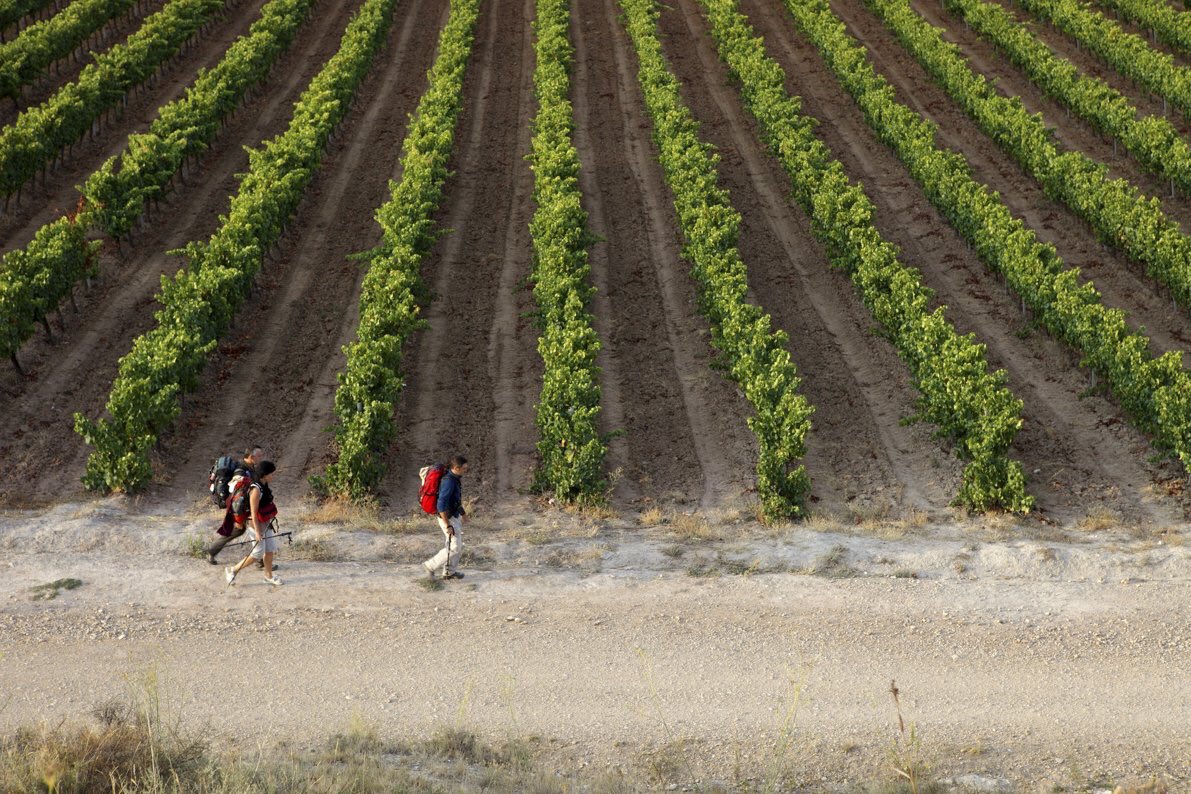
x=442, y=495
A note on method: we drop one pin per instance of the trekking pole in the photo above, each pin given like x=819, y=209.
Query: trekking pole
x=254, y=542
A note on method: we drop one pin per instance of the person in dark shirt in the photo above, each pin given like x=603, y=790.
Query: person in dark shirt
x=450, y=520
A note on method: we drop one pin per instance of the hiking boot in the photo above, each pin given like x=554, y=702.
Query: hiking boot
x=275, y=581
x=453, y=575
x=229, y=573
x=211, y=559
x=429, y=571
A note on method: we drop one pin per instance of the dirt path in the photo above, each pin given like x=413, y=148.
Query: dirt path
x=76, y=370
x=1080, y=455
x=1042, y=662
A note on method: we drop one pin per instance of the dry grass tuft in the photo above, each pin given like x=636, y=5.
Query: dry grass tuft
x=1098, y=521
x=693, y=526
x=338, y=510
x=312, y=549
x=651, y=517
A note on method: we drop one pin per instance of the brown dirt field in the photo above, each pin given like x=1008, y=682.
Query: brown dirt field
x=471, y=375
x=282, y=355
x=685, y=438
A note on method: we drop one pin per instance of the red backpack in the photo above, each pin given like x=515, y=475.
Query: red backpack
x=428, y=495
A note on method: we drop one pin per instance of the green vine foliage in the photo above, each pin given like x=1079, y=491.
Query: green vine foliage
x=967, y=403
x=30, y=54
x=11, y=11
x=40, y=134
x=756, y=356
x=115, y=197
x=1153, y=140
x=1120, y=215
x=392, y=293
x=119, y=190
x=1165, y=21
x=199, y=303
x=1125, y=52
x=35, y=279
x=570, y=445
x=1154, y=391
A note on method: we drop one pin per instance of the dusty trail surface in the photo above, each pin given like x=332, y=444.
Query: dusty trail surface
x=1038, y=661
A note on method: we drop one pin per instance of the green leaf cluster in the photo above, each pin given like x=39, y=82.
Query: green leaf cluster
x=119, y=190
x=968, y=404
x=11, y=11
x=30, y=54
x=198, y=304
x=1126, y=52
x=570, y=445
x=114, y=198
x=1153, y=140
x=1119, y=214
x=392, y=290
x=39, y=134
x=1156, y=392
x=755, y=355
x=1168, y=24
x=34, y=279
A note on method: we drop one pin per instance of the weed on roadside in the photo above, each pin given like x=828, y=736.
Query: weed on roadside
x=833, y=564
x=50, y=590
x=312, y=549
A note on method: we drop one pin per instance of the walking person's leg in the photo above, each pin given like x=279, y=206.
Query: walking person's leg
x=223, y=540
x=456, y=547
x=438, y=563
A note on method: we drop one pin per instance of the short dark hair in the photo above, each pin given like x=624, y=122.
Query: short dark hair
x=458, y=462
x=265, y=468
x=252, y=448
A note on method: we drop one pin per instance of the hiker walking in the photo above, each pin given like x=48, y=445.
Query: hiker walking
x=450, y=514
x=236, y=510
x=261, y=513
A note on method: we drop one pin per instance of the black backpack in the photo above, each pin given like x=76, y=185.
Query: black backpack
x=221, y=474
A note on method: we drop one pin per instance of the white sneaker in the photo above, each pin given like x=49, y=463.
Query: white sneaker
x=229, y=573
x=275, y=581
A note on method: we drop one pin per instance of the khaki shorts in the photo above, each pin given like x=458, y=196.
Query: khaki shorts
x=269, y=543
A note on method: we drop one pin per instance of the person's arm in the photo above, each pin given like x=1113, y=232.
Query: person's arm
x=445, y=502
x=254, y=502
